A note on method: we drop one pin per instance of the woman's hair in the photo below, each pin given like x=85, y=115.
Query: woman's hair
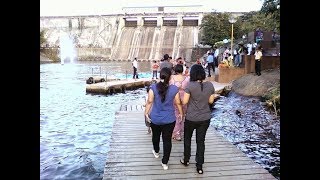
x=163, y=85
x=197, y=73
x=178, y=69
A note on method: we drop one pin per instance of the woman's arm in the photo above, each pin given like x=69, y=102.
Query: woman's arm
x=211, y=98
x=149, y=104
x=185, y=99
x=177, y=101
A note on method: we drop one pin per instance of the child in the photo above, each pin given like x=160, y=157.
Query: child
x=186, y=72
x=155, y=67
x=230, y=60
x=145, y=118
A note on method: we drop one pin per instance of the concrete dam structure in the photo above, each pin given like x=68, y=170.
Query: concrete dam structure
x=147, y=36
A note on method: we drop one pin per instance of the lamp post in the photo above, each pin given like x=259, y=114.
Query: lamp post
x=232, y=20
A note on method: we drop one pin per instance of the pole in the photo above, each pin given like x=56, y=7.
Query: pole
x=232, y=39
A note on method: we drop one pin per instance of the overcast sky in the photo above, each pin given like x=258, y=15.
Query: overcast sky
x=98, y=7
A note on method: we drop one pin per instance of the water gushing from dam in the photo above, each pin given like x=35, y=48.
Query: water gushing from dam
x=154, y=42
x=115, y=38
x=67, y=49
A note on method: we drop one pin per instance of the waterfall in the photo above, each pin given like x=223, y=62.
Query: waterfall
x=67, y=49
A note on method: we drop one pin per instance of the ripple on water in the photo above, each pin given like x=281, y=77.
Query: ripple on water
x=253, y=129
x=75, y=127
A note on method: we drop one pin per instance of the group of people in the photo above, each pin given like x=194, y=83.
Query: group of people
x=233, y=59
x=176, y=106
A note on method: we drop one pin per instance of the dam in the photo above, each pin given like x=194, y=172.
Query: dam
x=147, y=35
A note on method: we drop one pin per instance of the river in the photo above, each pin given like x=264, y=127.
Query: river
x=75, y=127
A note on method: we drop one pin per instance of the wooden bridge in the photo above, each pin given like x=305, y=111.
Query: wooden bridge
x=130, y=155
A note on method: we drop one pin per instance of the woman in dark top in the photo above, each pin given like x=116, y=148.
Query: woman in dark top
x=162, y=98
x=198, y=97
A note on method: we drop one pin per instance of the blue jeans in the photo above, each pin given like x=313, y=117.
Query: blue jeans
x=201, y=128
x=238, y=60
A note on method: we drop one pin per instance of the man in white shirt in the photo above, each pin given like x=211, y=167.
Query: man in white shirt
x=257, y=57
x=216, y=54
x=249, y=46
x=135, y=68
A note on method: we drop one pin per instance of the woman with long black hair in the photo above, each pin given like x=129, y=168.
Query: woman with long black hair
x=162, y=98
x=198, y=97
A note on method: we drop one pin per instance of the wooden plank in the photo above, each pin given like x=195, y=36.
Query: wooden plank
x=105, y=87
x=130, y=156
x=123, y=84
x=171, y=174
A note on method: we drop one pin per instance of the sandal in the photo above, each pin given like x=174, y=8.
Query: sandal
x=199, y=170
x=185, y=163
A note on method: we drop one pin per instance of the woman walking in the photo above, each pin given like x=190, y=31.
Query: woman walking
x=198, y=97
x=162, y=98
x=181, y=82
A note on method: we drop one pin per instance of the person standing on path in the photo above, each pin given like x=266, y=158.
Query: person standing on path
x=135, y=68
x=210, y=61
x=257, y=57
x=155, y=67
x=198, y=96
x=162, y=97
x=181, y=82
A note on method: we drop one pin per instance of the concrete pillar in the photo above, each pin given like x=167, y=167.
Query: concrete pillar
x=200, y=19
x=121, y=22
x=140, y=21
x=179, y=20
x=159, y=21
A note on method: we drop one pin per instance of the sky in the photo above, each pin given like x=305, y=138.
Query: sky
x=102, y=7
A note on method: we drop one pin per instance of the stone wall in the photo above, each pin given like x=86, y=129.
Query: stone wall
x=227, y=75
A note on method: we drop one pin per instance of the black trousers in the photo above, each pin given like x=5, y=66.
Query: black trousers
x=135, y=74
x=216, y=62
x=155, y=74
x=201, y=128
x=166, y=131
x=258, y=67
x=210, y=65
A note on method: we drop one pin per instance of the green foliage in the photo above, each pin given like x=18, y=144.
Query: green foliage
x=272, y=98
x=271, y=9
x=251, y=21
x=216, y=27
x=42, y=38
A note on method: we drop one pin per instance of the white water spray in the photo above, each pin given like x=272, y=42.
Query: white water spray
x=67, y=49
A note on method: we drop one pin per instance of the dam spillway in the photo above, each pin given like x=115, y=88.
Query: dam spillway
x=123, y=36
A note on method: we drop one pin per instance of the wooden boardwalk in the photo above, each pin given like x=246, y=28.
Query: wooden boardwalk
x=130, y=155
x=111, y=87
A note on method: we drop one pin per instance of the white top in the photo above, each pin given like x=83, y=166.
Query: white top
x=216, y=53
x=135, y=64
x=258, y=55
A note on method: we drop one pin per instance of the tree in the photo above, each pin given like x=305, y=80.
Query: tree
x=250, y=21
x=42, y=38
x=216, y=27
x=271, y=8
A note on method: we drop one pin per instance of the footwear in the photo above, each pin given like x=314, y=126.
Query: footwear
x=185, y=163
x=165, y=166
x=199, y=170
x=156, y=155
x=177, y=138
